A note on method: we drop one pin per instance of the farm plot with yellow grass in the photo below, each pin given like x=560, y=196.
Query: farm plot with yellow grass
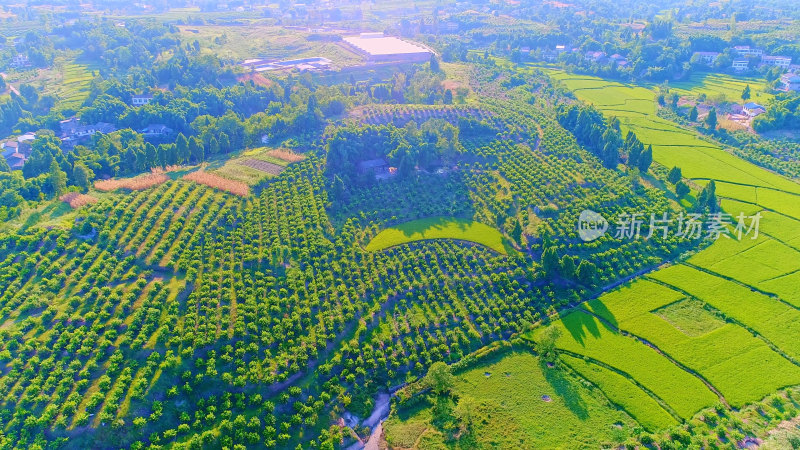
x=439, y=228
x=255, y=166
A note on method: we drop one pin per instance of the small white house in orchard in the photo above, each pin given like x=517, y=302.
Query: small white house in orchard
x=753, y=109
x=265, y=139
x=141, y=100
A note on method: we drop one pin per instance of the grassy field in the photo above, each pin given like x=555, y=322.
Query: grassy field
x=583, y=334
x=722, y=87
x=725, y=354
x=623, y=392
x=241, y=168
x=439, y=228
x=513, y=411
x=776, y=321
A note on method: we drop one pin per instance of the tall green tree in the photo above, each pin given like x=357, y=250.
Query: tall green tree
x=196, y=150
x=82, y=176
x=516, y=232
x=711, y=119
x=746, y=93
x=551, y=263
x=645, y=159
x=586, y=273
x=182, y=148
x=546, y=344
x=567, y=267
x=708, y=198
x=693, y=114
x=681, y=189
x=56, y=179
x=435, y=64
x=611, y=147
x=439, y=378
x=674, y=175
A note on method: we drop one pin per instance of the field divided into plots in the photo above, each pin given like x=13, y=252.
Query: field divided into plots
x=719, y=328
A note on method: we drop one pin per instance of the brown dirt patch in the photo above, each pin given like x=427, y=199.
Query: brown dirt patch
x=263, y=166
x=256, y=78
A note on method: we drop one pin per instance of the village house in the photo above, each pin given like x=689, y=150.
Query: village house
x=595, y=56
x=24, y=143
x=790, y=82
x=378, y=168
x=156, y=129
x=99, y=127
x=19, y=61
x=746, y=51
x=753, y=109
x=68, y=126
x=620, y=60
x=78, y=133
x=16, y=160
x=8, y=148
x=708, y=58
x=740, y=64
x=779, y=61
x=141, y=100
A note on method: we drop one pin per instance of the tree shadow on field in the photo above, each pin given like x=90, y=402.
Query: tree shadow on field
x=580, y=325
x=599, y=308
x=566, y=389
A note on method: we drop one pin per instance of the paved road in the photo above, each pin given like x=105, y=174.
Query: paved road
x=10, y=87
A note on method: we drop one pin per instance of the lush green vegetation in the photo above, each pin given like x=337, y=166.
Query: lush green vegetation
x=292, y=256
x=438, y=228
x=518, y=402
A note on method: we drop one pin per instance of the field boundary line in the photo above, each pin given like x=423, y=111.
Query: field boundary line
x=732, y=320
x=624, y=374
x=577, y=374
x=661, y=352
x=742, y=284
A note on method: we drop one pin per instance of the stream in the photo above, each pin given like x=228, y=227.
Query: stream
x=375, y=422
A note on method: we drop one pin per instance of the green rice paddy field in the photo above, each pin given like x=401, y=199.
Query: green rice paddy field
x=719, y=328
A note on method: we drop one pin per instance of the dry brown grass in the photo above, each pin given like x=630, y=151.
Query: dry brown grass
x=218, y=182
x=256, y=78
x=138, y=183
x=286, y=155
x=75, y=199
x=732, y=125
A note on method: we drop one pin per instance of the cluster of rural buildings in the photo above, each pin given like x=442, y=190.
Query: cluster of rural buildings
x=747, y=56
x=73, y=133
x=374, y=48
x=313, y=64
x=17, y=150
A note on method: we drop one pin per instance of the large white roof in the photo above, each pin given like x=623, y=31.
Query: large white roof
x=384, y=45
